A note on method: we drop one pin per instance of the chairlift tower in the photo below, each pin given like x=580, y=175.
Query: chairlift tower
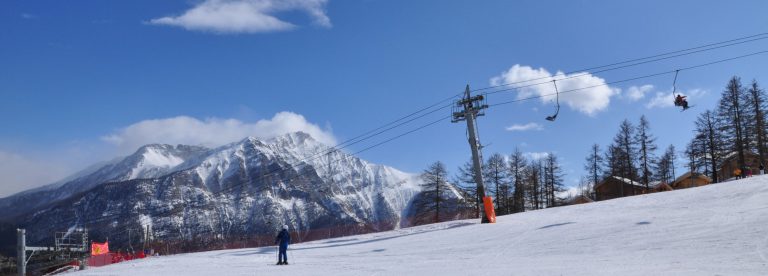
x=72, y=241
x=65, y=244
x=468, y=109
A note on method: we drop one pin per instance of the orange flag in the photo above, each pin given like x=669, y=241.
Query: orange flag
x=99, y=248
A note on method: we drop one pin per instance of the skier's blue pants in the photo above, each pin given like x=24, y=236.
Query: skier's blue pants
x=282, y=256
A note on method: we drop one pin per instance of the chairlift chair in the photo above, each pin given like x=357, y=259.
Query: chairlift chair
x=557, y=95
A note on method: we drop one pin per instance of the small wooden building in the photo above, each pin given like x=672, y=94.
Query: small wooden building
x=690, y=180
x=579, y=199
x=658, y=186
x=731, y=163
x=611, y=187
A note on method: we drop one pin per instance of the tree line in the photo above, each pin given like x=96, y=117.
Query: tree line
x=631, y=155
x=517, y=183
x=735, y=128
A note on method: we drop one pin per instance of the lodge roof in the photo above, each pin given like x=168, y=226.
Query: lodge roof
x=622, y=179
x=582, y=197
x=695, y=175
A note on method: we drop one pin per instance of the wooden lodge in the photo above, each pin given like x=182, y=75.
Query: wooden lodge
x=731, y=163
x=690, y=180
x=579, y=199
x=611, y=186
x=658, y=186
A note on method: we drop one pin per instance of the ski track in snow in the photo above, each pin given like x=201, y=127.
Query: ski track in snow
x=719, y=229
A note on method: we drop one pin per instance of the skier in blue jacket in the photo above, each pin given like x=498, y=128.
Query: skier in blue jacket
x=283, y=238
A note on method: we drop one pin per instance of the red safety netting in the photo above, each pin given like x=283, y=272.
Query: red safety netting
x=113, y=257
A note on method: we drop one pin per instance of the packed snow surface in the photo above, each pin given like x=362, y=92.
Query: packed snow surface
x=720, y=229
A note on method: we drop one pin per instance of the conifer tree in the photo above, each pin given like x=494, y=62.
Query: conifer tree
x=496, y=174
x=594, y=165
x=730, y=114
x=711, y=144
x=553, y=179
x=646, y=150
x=755, y=99
x=434, y=185
x=623, y=152
x=517, y=169
x=666, y=169
x=466, y=180
x=534, y=185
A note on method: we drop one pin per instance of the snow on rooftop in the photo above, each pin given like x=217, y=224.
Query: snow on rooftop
x=719, y=229
x=629, y=181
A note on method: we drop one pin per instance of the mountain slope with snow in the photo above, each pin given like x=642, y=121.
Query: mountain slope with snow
x=237, y=190
x=149, y=161
x=720, y=229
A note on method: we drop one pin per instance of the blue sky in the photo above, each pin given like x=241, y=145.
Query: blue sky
x=87, y=81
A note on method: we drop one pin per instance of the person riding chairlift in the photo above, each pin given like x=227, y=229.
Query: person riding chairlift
x=680, y=101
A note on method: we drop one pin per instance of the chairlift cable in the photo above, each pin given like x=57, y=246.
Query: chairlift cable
x=644, y=60
x=634, y=78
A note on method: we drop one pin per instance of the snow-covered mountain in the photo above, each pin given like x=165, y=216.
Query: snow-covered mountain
x=718, y=229
x=251, y=186
x=147, y=162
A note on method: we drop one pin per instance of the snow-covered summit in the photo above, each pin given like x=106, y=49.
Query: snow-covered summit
x=157, y=159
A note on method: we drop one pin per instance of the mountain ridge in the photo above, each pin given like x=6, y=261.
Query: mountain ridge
x=246, y=187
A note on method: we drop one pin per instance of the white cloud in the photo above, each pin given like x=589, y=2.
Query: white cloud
x=525, y=127
x=666, y=99
x=635, y=93
x=211, y=132
x=569, y=192
x=585, y=100
x=536, y=155
x=245, y=16
x=20, y=173
x=29, y=169
x=662, y=99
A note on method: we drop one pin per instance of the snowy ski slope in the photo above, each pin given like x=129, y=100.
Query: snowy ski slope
x=720, y=229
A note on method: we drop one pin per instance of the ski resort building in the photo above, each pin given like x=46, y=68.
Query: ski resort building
x=614, y=187
x=579, y=199
x=658, y=186
x=690, y=180
x=731, y=163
